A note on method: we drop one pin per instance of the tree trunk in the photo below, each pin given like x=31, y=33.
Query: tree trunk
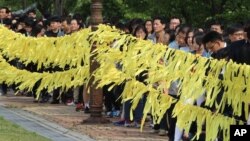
x=213, y=8
x=96, y=95
x=58, y=5
x=185, y=13
x=24, y=4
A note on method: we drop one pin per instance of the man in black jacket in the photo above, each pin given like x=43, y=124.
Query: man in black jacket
x=240, y=50
x=54, y=27
x=214, y=43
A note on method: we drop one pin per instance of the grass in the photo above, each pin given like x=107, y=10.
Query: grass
x=12, y=132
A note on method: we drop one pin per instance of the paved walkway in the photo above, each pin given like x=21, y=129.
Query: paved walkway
x=70, y=121
x=43, y=127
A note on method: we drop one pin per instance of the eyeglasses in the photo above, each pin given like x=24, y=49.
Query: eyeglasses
x=180, y=36
x=174, y=23
x=210, y=45
x=238, y=34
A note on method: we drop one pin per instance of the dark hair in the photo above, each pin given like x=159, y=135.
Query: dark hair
x=143, y=28
x=171, y=33
x=46, y=14
x=6, y=8
x=162, y=20
x=134, y=23
x=149, y=20
x=22, y=18
x=77, y=16
x=36, y=30
x=217, y=22
x=66, y=19
x=29, y=22
x=32, y=11
x=194, y=30
x=120, y=26
x=175, y=17
x=183, y=29
x=211, y=37
x=234, y=28
x=54, y=19
x=198, y=38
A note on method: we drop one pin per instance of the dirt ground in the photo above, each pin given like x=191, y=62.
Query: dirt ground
x=67, y=117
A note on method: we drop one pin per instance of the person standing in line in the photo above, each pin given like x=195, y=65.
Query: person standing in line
x=149, y=27
x=4, y=11
x=3, y=16
x=174, y=22
x=54, y=30
x=235, y=33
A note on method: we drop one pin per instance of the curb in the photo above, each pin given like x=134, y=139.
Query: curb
x=41, y=126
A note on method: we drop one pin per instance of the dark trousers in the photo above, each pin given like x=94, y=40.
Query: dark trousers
x=163, y=124
x=138, y=112
x=171, y=122
x=4, y=88
x=56, y=94
x=110, y=99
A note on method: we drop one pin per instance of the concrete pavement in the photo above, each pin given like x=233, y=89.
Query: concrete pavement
x=68, y=118
x=41, y=126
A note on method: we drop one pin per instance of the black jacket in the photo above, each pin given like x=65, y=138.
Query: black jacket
x=240, y=52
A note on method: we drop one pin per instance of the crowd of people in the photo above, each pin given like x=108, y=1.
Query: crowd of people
x=216, y=41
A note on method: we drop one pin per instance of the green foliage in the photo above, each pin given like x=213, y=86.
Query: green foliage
x=11, y=132
x=78, y=6
x=16, y=5
x=113, y=9
x=195, y=12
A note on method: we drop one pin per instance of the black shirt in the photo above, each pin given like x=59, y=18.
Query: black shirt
x=222, y=53
x=240, y=52
x=51, y=34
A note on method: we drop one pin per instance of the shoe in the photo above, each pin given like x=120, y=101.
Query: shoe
x=162, y=132
x=70, y=102
x=1, y=92
x=128, y=123
x=151, y=125
x=55, y=102
x=45, y=99
x=11, y=91
x=116, y=113
x=137, y=125
x=86, y=110
x=35, y=101
x=154, y=131
x=119, y=123
x=79, y=107
x=29, y=94
x=109, y=114
x=20, y=93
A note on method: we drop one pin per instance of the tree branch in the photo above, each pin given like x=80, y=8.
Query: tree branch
x=212, y=8
x=222, y=4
